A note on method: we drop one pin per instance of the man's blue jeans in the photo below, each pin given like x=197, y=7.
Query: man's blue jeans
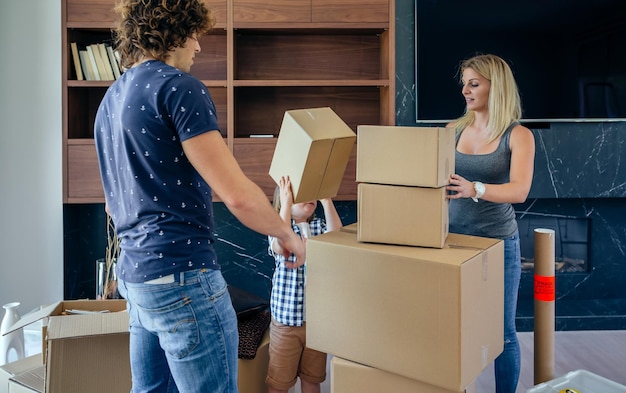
x=507, y=365
x=183, y=332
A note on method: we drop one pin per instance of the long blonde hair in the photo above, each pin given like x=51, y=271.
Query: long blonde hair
x=504, y=100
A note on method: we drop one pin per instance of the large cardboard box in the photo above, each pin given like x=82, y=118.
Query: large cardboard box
x=347, y=376
x=405, y=156
x=252, y=372
x=411, y=216
x=313, y=149
x=433, y=315
x=85, y=346
x=10, y=370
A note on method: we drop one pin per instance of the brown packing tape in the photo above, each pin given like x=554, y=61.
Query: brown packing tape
x=544, y=305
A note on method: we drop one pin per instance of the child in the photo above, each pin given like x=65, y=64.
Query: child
x=289, y=356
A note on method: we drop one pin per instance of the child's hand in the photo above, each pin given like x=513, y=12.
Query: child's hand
x=286, y=196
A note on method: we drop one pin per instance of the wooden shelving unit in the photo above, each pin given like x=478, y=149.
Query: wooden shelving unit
x=262, y=58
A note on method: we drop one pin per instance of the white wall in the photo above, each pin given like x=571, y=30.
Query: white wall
x=31, y=209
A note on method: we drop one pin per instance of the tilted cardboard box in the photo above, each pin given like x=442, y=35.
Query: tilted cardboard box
x=411, y=216
x=405, y=156
x=433, y=315
x=313, y=149
x=85, y=346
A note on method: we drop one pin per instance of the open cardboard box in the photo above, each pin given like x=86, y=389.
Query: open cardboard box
x=84, y=345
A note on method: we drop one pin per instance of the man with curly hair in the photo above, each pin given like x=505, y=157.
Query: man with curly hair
x=161, y=156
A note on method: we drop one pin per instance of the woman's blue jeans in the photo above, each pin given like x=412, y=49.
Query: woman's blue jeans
x=507, y=365
x=183, y=334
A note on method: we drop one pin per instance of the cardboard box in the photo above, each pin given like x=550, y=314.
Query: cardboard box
x=347, y=376
x=85, y=344
x=10, y=370
x=433, y=315
x=29, y=381
x=313, y=149
x=405, y=156
x=411, y=216
x=252, y=372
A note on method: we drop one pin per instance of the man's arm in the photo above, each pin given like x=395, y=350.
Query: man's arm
x=213, y=160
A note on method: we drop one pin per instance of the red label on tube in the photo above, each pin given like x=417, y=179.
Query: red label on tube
x=544, y=288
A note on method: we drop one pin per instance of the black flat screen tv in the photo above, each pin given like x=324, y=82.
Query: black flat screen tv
x=568, y=56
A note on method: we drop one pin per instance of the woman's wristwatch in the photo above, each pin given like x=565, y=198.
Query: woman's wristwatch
x=480, y=190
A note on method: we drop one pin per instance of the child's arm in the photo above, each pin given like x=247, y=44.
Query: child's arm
x=286, y=201
x=333, y=222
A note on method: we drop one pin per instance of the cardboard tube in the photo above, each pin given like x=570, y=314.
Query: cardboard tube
x=544, y=297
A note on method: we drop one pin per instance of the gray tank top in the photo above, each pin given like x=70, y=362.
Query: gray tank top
x=486, y=219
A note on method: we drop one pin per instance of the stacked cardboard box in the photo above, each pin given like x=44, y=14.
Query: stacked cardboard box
x=394, y=297
x=402, y=174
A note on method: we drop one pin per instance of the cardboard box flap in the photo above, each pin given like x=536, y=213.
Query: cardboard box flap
x=34, y=316
x=33, y=379
x=88, y=325
x=61, y=307
x=25, y=364
x=336, y=166
x=458, y=248
x=320, y=123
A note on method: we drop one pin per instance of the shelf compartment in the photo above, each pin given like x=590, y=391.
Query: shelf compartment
x=374, y=11
x=298, y=11
x=82, y=105
x=100, y=13
x=81, y=12
x=211, y=62
x=287, y=56
x=219, y=95
x=83, y=175
x=260, y=110
x=254, y=156
x=83, y=37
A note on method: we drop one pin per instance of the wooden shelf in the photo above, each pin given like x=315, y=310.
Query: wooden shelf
x=264, y=57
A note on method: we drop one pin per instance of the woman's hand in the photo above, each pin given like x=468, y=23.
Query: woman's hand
x=460, y=187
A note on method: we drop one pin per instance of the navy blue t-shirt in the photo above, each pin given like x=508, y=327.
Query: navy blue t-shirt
x=160, y=205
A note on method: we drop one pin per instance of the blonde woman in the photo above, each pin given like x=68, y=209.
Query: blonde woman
x=494, y=165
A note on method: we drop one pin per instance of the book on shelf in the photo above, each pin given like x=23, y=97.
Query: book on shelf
x=85, y=64
x=92, y=62
x=106, y=63
x=114, y=61
x=102, y=70
x=76, y=59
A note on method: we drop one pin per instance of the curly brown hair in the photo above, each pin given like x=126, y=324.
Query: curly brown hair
x=155, y=27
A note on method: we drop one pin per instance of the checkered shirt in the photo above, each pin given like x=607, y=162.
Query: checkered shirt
x=287, y=298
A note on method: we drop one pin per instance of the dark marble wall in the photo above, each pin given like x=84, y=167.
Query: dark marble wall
x=580, y=171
